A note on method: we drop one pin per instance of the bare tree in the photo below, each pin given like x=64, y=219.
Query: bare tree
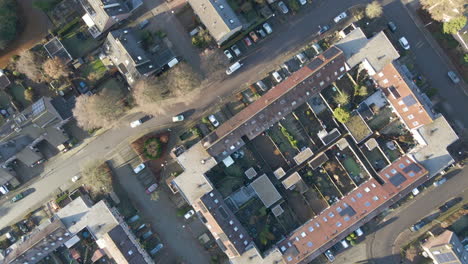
x=182, y=79
x=99, y=110
x=374, y=10
x=443, y=10
x=28, y=65
x=29, y=94
x=97, y=176
x=212, y=62
x=55, y=68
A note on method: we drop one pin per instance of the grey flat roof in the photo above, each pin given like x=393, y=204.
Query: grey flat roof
x=265, y=190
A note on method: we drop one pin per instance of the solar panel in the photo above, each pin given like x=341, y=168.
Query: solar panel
x=394, y=92
x=398, y=179
x=330, y=53
x=314, y=64
x=38, y=107
x=349, y=211
x=445, y=257
x=412, y=167
x=409, y=100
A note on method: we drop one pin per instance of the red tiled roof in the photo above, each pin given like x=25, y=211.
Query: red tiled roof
x=309, y=239
x=276, y=103
x=402, y=98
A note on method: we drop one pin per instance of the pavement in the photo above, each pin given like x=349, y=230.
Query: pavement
x=287, y=39
x=383, y=245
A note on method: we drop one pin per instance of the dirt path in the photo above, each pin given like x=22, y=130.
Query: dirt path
x=35, y=25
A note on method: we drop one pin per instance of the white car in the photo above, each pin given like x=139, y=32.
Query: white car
x=189, y=214
x=415, y=191
x=139, y=168
x=234, y=67
x=236, y=50
x=135, y=123
x=213, y=120
x=340, y=17
x=228, y=54
x=277, y=77
x=404, y=43
x=267, y=28
x=178, y=118
x=302, y=2
x=75, y=178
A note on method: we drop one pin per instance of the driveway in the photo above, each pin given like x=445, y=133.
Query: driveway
x=393, y=231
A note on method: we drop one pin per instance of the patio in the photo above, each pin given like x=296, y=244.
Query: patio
x=295, y=128
x=339, y=175
x=282, y=143
x=381, y=118
x=269, y=152
x=375, y=157
x=80, y=43
x=311, y=125
x=320, y=180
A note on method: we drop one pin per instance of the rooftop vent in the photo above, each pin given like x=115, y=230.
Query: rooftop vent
x=231, y=21
x=221, y=6
x=125, y=31
x=139, y=58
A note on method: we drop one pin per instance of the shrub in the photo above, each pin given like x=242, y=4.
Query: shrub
x=341, y=114
x=454, y=25
x=152, y=148
x=290, y=137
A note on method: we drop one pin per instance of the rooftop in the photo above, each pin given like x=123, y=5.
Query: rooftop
x=5, y=176
x=291, y=180
x=439, y=240
x=275, y=104
x=402, y=98
x=306, y=242
x=377, y=51
x=126, y=246
x=55, y=48
x=192, y=182
x=433, y=155
x=29, y=156
x=253, y=256
x=265, y=190
x=217, y=16
x=4, y=81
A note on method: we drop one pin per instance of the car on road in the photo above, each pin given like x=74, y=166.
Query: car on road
x=189, y=214
x=277, y=77
x=17, y=197
x=453, y=77
x=248, y=42
x=329, y=255
x=262, y=33
x=418, y=226
x=213, y=120
x=404, y=43
x=152, y=188
x=143, y=24
x=234, y=67
x=340, y=17
x=392, y=26
x=302, y=2
x=282, y=6
x=236, y=50
x=323, y=29
x=228, y=54
x=76, y=178
x=178, y=118
x=139, y=168
x=439, y=182
x=267, y=28
x=140, y=121
x=254, y=36
x=449, y=204
x=262, y=86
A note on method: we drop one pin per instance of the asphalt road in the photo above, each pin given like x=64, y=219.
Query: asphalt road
x=381, y=246
x=289, y=36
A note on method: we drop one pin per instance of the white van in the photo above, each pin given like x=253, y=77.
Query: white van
x=233, y=68
x=344, y=243
x=173, y=62
x=359, y=232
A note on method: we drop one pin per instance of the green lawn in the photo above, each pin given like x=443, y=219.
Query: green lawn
x=17, y=91
x=96, y=67
x=351, y=166
x=80, y=47
x=4, y=100
x=113, y=83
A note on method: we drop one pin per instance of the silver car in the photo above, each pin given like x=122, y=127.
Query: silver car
x=284, y=9
x=453, y=76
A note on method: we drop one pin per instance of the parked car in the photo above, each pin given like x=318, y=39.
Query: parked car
x=178, y=118
x=418, y=226
x=391, y=26
x=22, y=226
x=282, y=6
x=16, y=198
x=139, y=168
x=253, y=36
x=267, y=28
x=449, y=204
x=415, y=191
x=213, y=120
x=344, y=243
x=152, y=188
x=228, y=54
x=261, y=32
x=340, y=17
x=189, y=214
x=261, y=85
x=236, y=50
x=329, y=255
x=143, y=24
x=440, y=182
x=453, y=76
x=359, y=232
x=83, y=87
x=10, y=237
x=277, y=77
x=404, y=43
x=248, y=42
x=302, y=2
x=76, y=178
x=323, y=29
x=301, y=57
x=156, y=249
x=234, y=67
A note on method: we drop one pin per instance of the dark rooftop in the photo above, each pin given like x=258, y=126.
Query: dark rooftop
x=126, y=246
x=275, y=104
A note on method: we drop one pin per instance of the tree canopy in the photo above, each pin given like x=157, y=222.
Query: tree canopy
x=55, y=68
x=341, y=114
x=8, y=22
x=373, y=10
x=97, y=176
x=454, y=25
x=443, y=10
x=28, y=65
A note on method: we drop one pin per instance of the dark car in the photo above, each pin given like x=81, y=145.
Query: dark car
x=391, y=26
x=418, y=226
x=83, y=87
x=323, y=29
x=449, y=204
x=17, y=198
